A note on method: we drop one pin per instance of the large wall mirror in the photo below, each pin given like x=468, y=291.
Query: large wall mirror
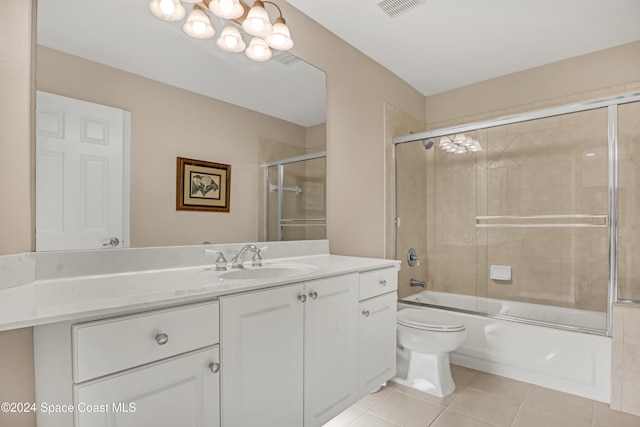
x=181, y=98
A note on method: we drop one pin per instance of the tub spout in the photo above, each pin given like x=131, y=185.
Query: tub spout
x=414, y=282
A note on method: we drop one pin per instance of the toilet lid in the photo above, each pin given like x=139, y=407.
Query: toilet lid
x=420, y=319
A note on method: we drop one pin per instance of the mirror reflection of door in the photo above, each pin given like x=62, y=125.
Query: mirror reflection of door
x=81, y=175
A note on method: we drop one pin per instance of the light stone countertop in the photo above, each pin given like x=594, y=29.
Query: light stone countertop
x=43, y=301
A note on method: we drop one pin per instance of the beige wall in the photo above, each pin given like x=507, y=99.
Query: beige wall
x=625, y=354
x=16, y=347
x=572, y=80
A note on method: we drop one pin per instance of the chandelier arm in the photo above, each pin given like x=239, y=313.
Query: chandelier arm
x=277, y=7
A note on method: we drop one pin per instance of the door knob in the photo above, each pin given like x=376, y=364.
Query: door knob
x=302, y=297
x=214, y=367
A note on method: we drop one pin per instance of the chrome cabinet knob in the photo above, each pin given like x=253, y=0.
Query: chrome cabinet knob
x=313, y=295
x=383, y=282
x=214, y=367
x=365, y=313
x=302, y=297
x=162, y=339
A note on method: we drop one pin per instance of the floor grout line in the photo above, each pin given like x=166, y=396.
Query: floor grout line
x=521, y=405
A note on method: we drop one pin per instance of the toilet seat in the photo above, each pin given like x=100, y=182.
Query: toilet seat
x=412, y=318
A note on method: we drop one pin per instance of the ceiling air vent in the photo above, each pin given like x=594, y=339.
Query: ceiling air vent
x=284, y=57
x=396, y=7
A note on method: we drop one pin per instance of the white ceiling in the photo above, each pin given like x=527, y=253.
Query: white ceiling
x=445, y=44
x=123, y=34
x=436, y=46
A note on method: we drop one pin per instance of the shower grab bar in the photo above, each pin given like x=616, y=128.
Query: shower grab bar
x=558, y=216
x=541, y=225
x=303, y=219
x=296, y=189
x=303, y=225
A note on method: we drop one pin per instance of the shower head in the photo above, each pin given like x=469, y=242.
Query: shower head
x=427, y=143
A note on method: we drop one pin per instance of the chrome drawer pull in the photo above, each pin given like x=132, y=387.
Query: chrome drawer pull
x=162, y=339
x=365, y=313
x=214, y=367
x=313, y=295
x=383, y=282
x=302, y=297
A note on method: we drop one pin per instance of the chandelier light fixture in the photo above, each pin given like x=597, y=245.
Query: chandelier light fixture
x=459, y=144
x=254, y=21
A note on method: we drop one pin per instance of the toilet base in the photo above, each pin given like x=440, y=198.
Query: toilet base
x=430, y=373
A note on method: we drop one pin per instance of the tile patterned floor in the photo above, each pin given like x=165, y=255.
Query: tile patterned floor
x=480, y=400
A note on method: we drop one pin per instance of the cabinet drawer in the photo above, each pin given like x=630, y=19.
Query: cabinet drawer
x=112, y=345
x=378, y=282
x=180, y=391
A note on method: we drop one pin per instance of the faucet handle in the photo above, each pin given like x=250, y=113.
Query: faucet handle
x=256, y=260
x=221, y=261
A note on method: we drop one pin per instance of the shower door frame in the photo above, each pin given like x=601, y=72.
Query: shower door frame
x=611, y=103
x=281, y=163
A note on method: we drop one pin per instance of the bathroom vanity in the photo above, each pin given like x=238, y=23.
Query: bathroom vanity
x=218, y=348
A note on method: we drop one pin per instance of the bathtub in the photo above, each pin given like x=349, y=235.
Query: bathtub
x=565, y=360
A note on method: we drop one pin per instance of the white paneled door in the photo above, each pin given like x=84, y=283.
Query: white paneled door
x=81, y=175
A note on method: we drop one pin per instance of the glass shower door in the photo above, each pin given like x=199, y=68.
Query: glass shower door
x=296, y=198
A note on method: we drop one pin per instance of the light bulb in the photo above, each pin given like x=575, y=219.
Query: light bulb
x=198, y=27
x=227, y=9
x=167, y=10
x=256, y=24
x=226, y=6
x=167, y=7
x=230, y=42
x=280, y=37
x=258, y=50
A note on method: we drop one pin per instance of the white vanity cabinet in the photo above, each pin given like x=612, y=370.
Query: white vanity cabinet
x=289, y=354
x=158, y=368
x=377, y=328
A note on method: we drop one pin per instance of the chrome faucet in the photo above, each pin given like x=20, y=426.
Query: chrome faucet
x=238, y=258
x=414, y=282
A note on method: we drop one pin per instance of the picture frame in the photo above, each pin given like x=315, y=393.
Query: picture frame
x=202, y=185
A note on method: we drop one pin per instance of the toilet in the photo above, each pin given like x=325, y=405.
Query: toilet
x=424, y=344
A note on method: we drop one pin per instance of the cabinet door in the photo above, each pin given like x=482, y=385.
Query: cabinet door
x=262, y=344
x=183, y=391
x=377, y=341
x=331, y=345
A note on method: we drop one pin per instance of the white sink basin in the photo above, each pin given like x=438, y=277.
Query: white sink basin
x=269, y=271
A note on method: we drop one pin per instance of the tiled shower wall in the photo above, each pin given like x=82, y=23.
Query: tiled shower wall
x=552, y=166
x=629, y=204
